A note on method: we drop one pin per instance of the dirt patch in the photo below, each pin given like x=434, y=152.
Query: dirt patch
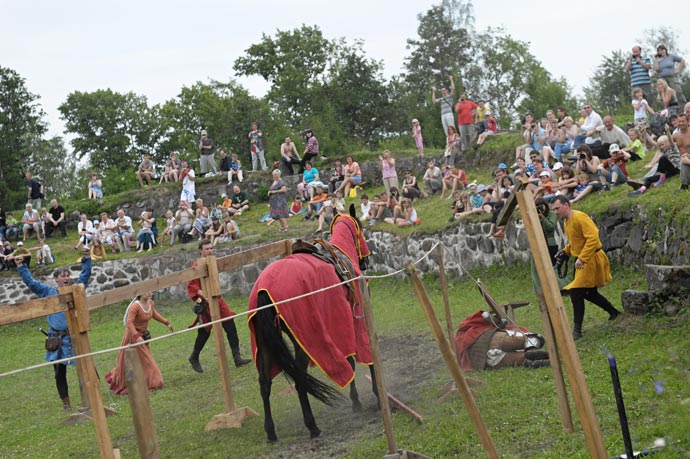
x=409, y=363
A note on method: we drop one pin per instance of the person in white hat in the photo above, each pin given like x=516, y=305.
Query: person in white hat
x=612, y=171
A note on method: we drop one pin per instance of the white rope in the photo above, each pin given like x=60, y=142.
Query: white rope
x=189, y=329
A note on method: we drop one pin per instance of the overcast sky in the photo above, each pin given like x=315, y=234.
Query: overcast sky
x=155, y=47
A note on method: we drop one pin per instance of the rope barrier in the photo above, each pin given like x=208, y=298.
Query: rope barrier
x=207, y=324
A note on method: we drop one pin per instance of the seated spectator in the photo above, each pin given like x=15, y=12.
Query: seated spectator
x=667, y=160
x=310, y=181
x=385, y=206
x=432, y=179
x=325, y=212
x=235, y=169
x=43, y=218
x=146, y=239
x=636, y=147
x=240, y=201
x=231, y=232
x=590, y=128
x=404, y=214
x=20, y=251
x=453, y=179
x=170, y=224
x=545, y=187
x=613, y=170
x=490, y=129
x=613, y=134
x=85, y=232
x=98, y=251
x=296, y=207
x=184, y=218
x=227, y=202
x=169, y=173
x=567, y=183
x=215, y=231
x=107, y=231
x=524, y=150
x=315, y=202
x=668, y=96
x=289, y=155
x=365, y=208
x=124, y=231
x=353, y=176
x=410, y=189
x=145, y=171
x=3, y=224
x=520, y=166
x=43, y=254
x=30, y=221
x=5, y=263
x=587, y=171
x=337, y=176
x=202, y=220
x=539, y=166
x=95, y=187
x=504, y=184
x=56, y=219
x=216, y=211
x=176, y=166
x=567, y=131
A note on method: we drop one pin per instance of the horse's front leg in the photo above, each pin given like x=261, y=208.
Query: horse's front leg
x=265, y=384
x=302, y=360
x=354, y=396
x=374, y=386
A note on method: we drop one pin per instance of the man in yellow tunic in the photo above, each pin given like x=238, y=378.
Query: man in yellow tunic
x=592, y=268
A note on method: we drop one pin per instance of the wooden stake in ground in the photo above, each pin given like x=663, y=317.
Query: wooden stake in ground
x=444, y=289
x=140, y=404
x=561, y=327
x=233, y=417
x=451, y=362
x=79, y=325
x=393, y=451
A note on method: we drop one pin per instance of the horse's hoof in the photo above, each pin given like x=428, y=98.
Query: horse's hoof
x=315, y=433
x=356, y=406
x=272, y=439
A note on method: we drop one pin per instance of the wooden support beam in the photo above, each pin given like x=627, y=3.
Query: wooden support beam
x=444, y=289
x=510, y=204
x=452, y=363
x=561, y=327
x=139, y=402
x=33, y=309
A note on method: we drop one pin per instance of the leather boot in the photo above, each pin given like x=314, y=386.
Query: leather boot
x=237, y=357
x=577, y=331
x=537, y=363
x=537, y=354
x=66, y=405
x=194, y=360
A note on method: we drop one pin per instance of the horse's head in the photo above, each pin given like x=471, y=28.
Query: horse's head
x=354, y=233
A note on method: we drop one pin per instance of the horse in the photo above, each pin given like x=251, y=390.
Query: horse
x=327, y=329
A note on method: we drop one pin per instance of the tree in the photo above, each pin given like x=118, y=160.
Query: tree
x=542, y=93
x=112, y=130
x=295, y=63
x=609, y=87
x=460, y=13
x=20, y=117
x=54, y=165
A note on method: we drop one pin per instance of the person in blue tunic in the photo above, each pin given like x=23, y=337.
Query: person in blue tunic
x=58, y=321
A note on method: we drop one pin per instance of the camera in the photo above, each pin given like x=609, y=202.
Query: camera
x=582, y=156
x=561, y=257
x=542, y=208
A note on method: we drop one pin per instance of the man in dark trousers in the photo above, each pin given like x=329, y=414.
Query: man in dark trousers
x=592, y=269
x=204, y=316
x=58, y=321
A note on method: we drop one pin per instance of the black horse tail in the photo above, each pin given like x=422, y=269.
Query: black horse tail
x=268, y=333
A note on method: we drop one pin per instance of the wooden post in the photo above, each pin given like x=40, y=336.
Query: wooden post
x=140, y=404
x=79, y=325
x=561, y=327
x=451, y=362
x=393, y=451
x=233, y=417
x=444, y=289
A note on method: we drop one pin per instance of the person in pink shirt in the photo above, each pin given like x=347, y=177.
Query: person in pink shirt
x=390, y=176
x=417, y=136
x=465, y=110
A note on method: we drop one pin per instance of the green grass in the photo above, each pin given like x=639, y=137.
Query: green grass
x=517, y=405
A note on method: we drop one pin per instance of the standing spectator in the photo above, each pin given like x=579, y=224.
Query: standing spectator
x=638, y=67
x=184, y=217
x=446, y=101
x=641, y=107
x=417, y=136
x=35, y=193
x=390, y=175
x=592, y=268
x=289, y=155
x=432, y=179
x=256, y=148
x=124, y=231
x=207, y=161
x=480, y=116
x=311, y=150
x=95, y=187
x=465, y=110
x=30, y=221
x=665, y=65
x=188, y=186
x=58, y=321
x=277, y=200
x=453, y=144
x=145, y=171
x=240, y=201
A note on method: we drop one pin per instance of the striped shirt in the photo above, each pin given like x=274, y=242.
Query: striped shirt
x=638, y=74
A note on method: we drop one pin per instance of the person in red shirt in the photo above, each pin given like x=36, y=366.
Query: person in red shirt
x=490, y=129
x=195, y=293
x=465, y=110
x=612, y=171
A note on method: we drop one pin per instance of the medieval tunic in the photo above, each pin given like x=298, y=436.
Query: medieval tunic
x=584, y=243
x=136, y=324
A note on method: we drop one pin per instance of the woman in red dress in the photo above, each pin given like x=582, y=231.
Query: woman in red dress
x=136, y=320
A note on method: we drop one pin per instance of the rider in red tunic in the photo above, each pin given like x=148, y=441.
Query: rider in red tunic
x=194, y=291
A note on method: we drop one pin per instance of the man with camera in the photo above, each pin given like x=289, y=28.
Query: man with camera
x=58, y=321
x=592, y=269
x=639, y=67
x=203, y=316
